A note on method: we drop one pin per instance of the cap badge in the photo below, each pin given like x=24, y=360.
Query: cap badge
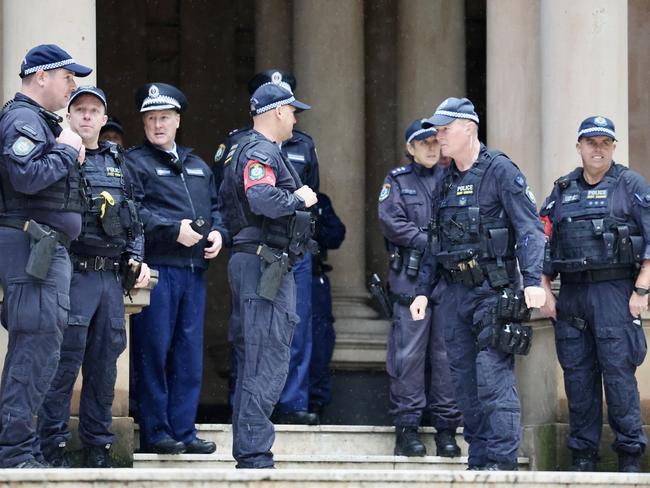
x=600, y=121
x=276, y=78
x=154, y=92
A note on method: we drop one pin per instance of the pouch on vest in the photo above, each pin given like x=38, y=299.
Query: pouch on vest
x=109, y=214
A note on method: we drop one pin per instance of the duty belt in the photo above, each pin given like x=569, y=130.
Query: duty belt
x=597, y=275
x=401, y=298
x=94, y=263
x=251, y=248
x=19, y=224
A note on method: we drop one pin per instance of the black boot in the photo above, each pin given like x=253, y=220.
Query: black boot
x=408, y=443
x=500, y=466
x=97, y=456
x=446, y=443
x=629, y=463
x=583, y=460
x=56, y=457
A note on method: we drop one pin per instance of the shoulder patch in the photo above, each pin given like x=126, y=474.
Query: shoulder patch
x=520, y=181
x=385, y=191
x=23, y=146
x=256, y=173
x=530, y=195
x=219, y=154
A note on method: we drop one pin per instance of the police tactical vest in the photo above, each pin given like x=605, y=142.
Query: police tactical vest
x=463, y=233
x=586, y=235
x=110, y=217
x=64, y=195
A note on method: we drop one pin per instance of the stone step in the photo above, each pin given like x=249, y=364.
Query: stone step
x=309, y=461
x=350, y=440
x=305, y=478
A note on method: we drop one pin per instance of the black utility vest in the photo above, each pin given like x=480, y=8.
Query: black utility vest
x=463, y=233
x=586, y=235
x=64, y=195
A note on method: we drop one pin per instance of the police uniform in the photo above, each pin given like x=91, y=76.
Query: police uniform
x=600, y=233
x=300, y=151
x=167, y=336
x=330, y=232
x=40, y=181
x=255, y=198
x=404, y=213
x=485, y=218
x=96, y=334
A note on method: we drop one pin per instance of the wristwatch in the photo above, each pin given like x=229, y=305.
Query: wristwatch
x=641, y=291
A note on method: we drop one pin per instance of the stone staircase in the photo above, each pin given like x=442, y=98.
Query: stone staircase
x=325, y=447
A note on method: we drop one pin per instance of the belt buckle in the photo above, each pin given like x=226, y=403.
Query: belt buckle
x=100, y=263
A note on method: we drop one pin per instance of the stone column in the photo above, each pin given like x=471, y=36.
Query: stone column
x=584, y=66
x=329, y=64
x=430, y=57
x=639, y=74
x=514, y=88
x=26, y=23
x=273, y=34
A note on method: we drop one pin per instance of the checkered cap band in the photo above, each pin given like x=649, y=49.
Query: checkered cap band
x=421, y=131
x=161, y=100
x=273, y=105
x=46, y=67
x=457, y=115
x=590, y=130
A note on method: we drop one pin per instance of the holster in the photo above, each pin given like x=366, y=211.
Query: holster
x=128, y=275
x=276, y=265
x=501, y=328
x=42, y=250
x=381, y=297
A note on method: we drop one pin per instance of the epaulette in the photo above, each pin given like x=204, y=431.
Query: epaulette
x=298, y=134
x=401, y=170
x=234, y=131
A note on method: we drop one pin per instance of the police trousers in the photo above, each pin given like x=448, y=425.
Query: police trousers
x=484, y=379
x=604, y=346
x=260, y=332
x=94, y=339
x=412, y=346
x=324, y=336
x=35, y=314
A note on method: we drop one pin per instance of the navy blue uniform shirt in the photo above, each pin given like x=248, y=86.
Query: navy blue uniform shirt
x=43, y=163
x=169, y=190
x=503, y=193
x=299, y=150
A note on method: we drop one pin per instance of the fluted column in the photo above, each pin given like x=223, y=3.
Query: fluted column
x=430, y=57
x=584, y=72
x=273, y=34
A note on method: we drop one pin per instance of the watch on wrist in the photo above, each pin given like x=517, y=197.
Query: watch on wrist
x=641, y=291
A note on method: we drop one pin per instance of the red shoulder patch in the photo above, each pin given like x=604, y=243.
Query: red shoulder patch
x=256, y=173
x=548, y=227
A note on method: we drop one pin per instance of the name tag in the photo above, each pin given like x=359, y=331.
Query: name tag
x=163, y=172
x=408, y=191
x=570, y=198
x=195, y=172
x=296, y=157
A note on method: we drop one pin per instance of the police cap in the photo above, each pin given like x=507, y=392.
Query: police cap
x=50, y=56
x=269, y=96
x=597, y=126
x=277, y=76
x=415, y=131
x=90, y=90
x=160, y=96
x=112, y=123
x=450, y=110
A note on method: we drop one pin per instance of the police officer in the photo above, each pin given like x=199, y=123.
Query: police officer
x=111, y=237
x=404, y=214
x=40, y=214
x=183, y=230
x=330, y=232
x=301, y=153
x=484, y=218
x=264, y=205
x=598, y=221
x=112, y=131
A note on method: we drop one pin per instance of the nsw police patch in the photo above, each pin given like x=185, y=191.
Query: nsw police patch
x=220, y=151
x=255, y=171
x=385, y=191
x=22, y=146
x=530, y=195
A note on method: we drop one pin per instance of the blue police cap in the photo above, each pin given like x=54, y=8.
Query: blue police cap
x=450, y=110
x=88, y=89
x=415, y=131
x=277, y=76
x=160, y=96
x=597, y=126
x=271, y=95
x=50, y=56
x=113, y=123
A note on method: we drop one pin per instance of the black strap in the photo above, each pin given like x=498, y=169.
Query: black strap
x=19, y=224
x=597, y=275
x=94, y=263
x=401, y=298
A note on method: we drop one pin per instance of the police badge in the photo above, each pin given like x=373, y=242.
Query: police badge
x=385, y=191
